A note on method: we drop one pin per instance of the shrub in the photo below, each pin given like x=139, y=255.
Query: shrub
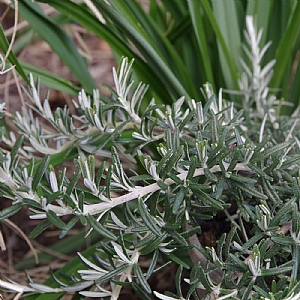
x=147, y=181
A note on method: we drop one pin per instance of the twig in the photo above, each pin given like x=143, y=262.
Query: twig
x=140, y=192
x=20, y=232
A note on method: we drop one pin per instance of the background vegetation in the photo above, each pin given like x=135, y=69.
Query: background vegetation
x=177, y=45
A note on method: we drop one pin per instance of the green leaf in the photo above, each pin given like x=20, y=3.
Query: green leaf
x=59, y=41
x=253, y=240
x=147, y=240
x=269, y=152
x=178, y=280
x=100, y=228
x=220, y=245
x=32, y=203
x=239, y=262
x=163, y=161
x=153, y=264
x=284, y=268
x=281, y=213
x=173, y=160
x=100, y=172
x=140, y=276
x=229, y=34
x=51, y=80
x=283, y=240
x=66, y=198
x=178, y=238
x=228, y=66
x=4, y=45
x=198, y=273
x=270, y=191
x=199, y=186
x=69, y=226
x=112, y=274
x=228, y=243
x=259, y=172
x=199, y=29
x=14, y=151
x=40, y=172
x=248, y=289
x=147, y=218
x=179, y=199
x=242, y=179
x=73, y=182
x=10, y=211
x=210, y=176
x=286, y=45
x=25, y=189
x=55, y=220
x=153, y=245
x=39, y=229
x=177, y=260
x=207, y=199
x=81, y=201
x=250, y=190
x=189, y=233
x=140, y=292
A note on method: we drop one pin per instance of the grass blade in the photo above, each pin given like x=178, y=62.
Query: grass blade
x=4, y=45
x=194, y=8
x=229, y=65
x=51, y=80
x=285, y=47
x=226, y=17
x=59, y=41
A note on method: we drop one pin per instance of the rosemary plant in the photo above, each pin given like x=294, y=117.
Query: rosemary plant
x=147, y=181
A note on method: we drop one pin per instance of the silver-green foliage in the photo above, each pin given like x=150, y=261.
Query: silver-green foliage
x=192, y=163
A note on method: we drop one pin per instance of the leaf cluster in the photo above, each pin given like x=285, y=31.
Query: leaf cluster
x=148, y=176
x=193, y=166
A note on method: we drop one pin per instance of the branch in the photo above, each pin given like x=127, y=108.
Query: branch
x=140, y=192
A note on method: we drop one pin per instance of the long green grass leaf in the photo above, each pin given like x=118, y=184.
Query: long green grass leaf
x=84, y=17
x=228, y=65
x=153, y=58
x=226, y=16
x=50, y=80
x=286, y=45
x=146, y=28
x=4, y=45
x=59, y=41
x=197, y=20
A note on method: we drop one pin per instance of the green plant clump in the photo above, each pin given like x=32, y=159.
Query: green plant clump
x=146, y=181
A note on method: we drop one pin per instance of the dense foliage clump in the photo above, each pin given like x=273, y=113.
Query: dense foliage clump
x=150, y=178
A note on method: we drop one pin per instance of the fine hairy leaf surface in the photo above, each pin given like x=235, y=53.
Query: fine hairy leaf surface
x=200, y=176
